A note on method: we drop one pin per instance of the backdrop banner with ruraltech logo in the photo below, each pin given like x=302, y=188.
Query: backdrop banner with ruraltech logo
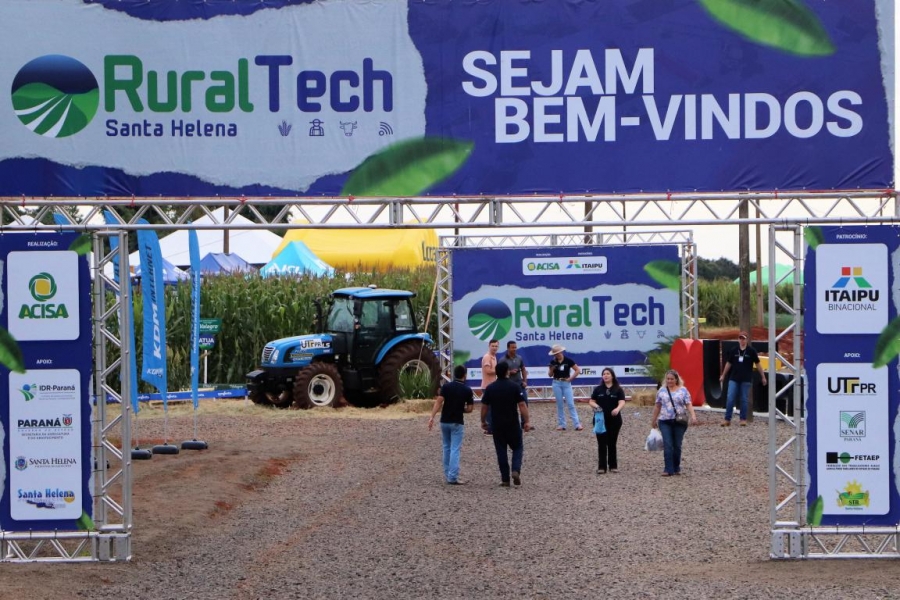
x=159, y=98
x=851, y=328
x=45, y=411
x=608, y=306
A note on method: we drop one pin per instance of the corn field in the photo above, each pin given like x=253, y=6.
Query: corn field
x=255, y=310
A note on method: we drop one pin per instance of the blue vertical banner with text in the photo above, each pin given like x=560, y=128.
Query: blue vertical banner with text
x=194, y=250
x=850, y=355
x=153, y=368
x=45, y=407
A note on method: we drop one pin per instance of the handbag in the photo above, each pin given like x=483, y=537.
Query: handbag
x=599, y=422
x=681, y=416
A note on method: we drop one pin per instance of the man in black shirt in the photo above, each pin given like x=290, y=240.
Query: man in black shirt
x=740, y=363
x=454, y=399
x=505, y=399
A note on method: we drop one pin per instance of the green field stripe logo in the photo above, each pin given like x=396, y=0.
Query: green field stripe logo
x=55, y=96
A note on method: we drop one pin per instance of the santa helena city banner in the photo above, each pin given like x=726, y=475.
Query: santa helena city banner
x=403, y=98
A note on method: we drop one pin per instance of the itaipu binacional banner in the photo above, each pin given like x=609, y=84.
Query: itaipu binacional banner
x=45, y=411
x=608, y=306
x=851, y=328
x=397, y=98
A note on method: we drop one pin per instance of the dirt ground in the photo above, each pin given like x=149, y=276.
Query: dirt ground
x=350, y=503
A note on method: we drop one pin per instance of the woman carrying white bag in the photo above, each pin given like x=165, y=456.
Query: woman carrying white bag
x=672, y=413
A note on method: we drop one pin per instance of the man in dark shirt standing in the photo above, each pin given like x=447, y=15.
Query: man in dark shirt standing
x=518, y=374
x=740, y=363
x=505, y=399
x=454, y=399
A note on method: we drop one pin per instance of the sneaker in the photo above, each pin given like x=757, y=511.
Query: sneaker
x=457, y=482
x=560, y=428
x=601, y=471
x=579, y=428
x=743, y=423
x=613, y=470
x=487, y=432
x=726, y=423
x=517, y=478
x=504, y=484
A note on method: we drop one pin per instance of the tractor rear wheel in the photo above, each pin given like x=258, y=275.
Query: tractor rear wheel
x=410, y=357
x=319, y=384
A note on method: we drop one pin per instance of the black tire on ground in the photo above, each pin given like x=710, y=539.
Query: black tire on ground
x=259, y=396
x=319, y=384
x=409, y=356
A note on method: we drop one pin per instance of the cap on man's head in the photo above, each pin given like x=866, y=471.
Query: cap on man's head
x=556, y=349
x=743, y=334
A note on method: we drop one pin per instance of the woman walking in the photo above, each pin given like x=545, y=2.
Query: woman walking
x=672, y=412
x=607, y=400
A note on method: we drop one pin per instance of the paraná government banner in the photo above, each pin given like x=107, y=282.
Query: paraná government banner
x=408, y=98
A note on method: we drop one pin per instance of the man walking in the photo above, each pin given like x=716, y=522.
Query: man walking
x=454, y=399
x=518, y=374
x=489, y=372
x=740, y=362
x=505, y=400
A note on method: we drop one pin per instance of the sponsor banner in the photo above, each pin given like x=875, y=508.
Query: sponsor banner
x=852, y=294
x=46, y=421
x=43, y=295
x=150, y=98
x=153, y=369
x=612, y=316
x=626, y=374
x=852, y=434
x=45, y=444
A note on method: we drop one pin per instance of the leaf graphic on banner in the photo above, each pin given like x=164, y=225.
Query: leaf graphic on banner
x=407, y=168
x=85, y=522
x=665, y=272
x=10, y=353
x=888, y=345
x=814, y=514
x=813, y=236
x=81, y=245
x=784, y=24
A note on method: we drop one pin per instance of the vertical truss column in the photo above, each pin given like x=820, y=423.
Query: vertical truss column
x=788, y=478
x=690, y=306
x=445, y=310
x=112, y=428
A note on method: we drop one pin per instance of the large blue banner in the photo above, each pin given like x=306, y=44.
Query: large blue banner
x=45, y=406
x=608, y=306
x=361, y=98
x=850, y=354
x=153, y=367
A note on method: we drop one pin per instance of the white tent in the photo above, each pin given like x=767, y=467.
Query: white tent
x=256, y=246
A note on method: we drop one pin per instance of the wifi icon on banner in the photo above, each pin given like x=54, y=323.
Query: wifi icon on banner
x=385, y=129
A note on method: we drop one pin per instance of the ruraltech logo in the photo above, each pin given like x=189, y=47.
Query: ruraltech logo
x=490, y=319
x=55, y=96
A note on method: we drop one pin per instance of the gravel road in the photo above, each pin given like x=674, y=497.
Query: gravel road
x=359, y=510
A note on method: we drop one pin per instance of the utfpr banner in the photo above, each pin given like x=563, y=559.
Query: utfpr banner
x=45, y=409
x=608, y=306
x=851, y=330
x=361, y=98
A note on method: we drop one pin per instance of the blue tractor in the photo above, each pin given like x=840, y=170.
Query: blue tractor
x=367, y=341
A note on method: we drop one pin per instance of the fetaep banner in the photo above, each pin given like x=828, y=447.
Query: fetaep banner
x=608, y=306
x=353, y=97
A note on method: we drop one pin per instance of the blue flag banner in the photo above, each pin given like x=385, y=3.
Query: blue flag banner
x=194, y=250
x=153, y=369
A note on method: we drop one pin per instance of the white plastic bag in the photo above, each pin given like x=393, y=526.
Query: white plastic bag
x=654, y=441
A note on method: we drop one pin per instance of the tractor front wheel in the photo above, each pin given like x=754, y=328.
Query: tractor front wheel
x=319, y=384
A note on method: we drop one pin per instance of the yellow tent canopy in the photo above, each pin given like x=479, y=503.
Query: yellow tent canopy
x=368, y=248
